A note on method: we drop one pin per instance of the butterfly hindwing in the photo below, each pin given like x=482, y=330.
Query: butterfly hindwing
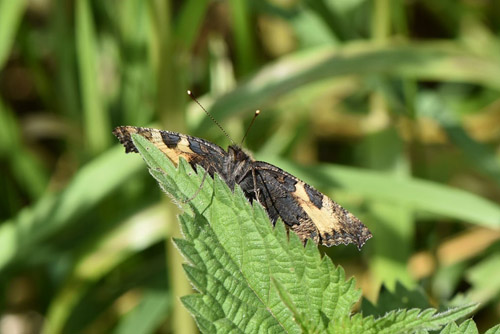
x=306, y=211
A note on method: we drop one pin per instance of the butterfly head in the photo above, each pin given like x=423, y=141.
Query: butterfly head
x=237, y=154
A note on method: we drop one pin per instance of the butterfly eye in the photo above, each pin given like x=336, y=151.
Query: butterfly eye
x=242, y=155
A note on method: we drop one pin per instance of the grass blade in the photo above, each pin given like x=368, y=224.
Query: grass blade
x=96, y=120
x=11, y=13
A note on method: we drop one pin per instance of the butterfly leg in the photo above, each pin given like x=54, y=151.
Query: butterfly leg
x=255, y=189
x=197, y=191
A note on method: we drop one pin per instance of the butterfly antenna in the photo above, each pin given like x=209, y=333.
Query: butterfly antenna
x=257, y=113
x=209, y=115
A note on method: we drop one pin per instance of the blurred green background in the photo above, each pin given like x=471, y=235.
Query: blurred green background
x=392, y=108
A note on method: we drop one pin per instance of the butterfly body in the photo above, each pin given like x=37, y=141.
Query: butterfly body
x=303, y=209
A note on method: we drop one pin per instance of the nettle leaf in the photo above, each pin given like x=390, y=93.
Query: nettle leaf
x=253, y=278
x=467, y=327
x=398, y=298
x=493, y=330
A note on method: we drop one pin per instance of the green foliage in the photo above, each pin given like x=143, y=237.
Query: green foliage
x=252, y=279
x=401, y=297
x=467, y=327
x=391, y=108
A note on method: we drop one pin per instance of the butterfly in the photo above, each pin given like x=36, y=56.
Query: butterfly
x=303, y=209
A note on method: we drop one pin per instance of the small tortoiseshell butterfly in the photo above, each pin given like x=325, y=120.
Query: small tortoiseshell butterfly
x=303, y=209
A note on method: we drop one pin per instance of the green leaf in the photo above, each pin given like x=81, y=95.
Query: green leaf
x=479, y=155
x=148, y=315
x=102, y=257
x=493, y=330
x=424, y=61
x=483, y=288
x=243, y=39
x=11, y=13
x=251, y=278
x=401, y=297
x=25, y=168
x=25, y=234
x=467, y=327
x=189, y=20
x=404, y=321
x=400, y=321
x=301, y=319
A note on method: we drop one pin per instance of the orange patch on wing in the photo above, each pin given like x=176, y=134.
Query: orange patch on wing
x=181, y=150
x=323, y=218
